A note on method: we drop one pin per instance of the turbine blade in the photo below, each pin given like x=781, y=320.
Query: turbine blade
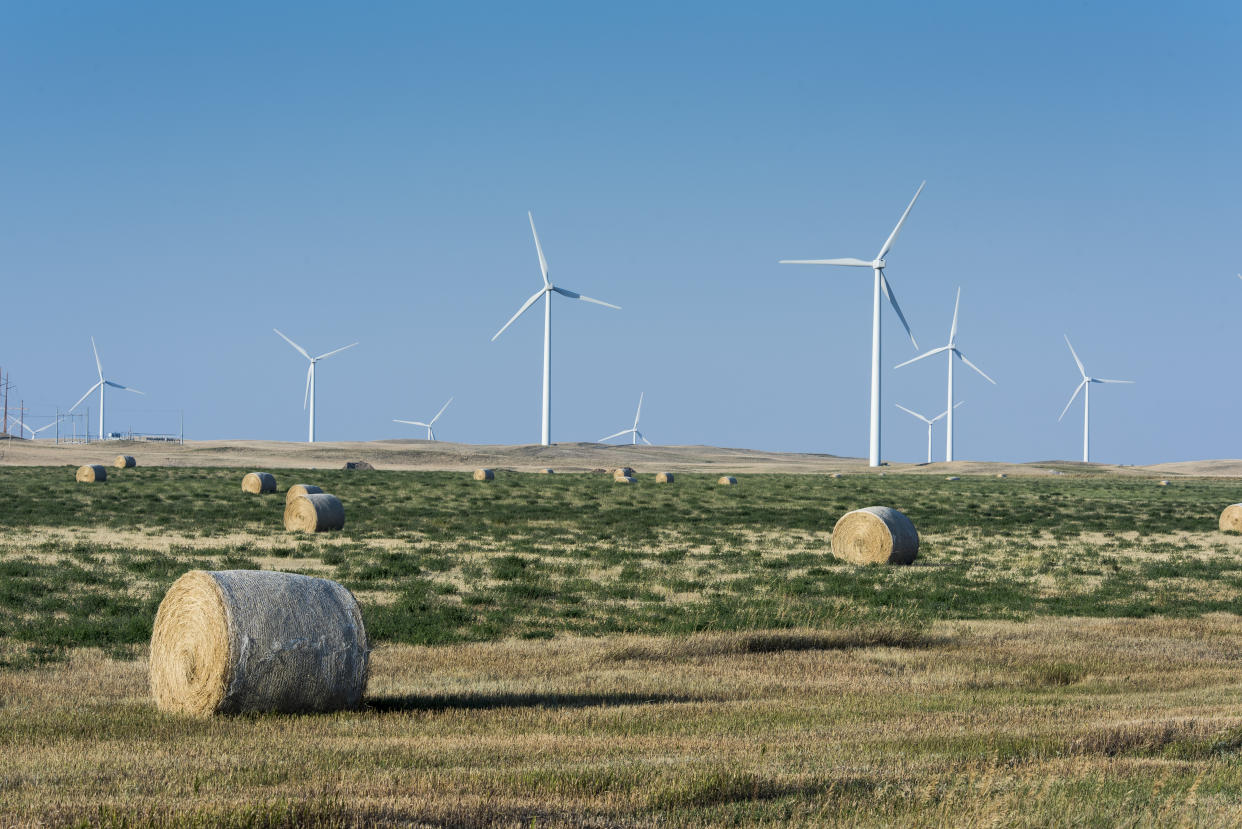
x=442, y=408
x=617, y=435
x=543, y=263
x=119, y=386
x=1072, y=399
x=576, y=295
x=638, y=413
x=98, y=364
x=301, y=350
x=1098, y=380
x=953, y=330
x=945, y=413
x=336, y=351
x=911, y=411
x=921, y=356
x=848, y=261
x=410, y=422
x=306, y=396
x=89, y=392
x=962, y=357
x=643, y=438
x=892, y=298
x=520, y=311
x=893, y=236
x=1081, y=370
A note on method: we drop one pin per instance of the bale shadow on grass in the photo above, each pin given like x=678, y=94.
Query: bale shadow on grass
x=443, y=702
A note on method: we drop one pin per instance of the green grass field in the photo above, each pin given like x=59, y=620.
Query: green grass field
x=559, y=649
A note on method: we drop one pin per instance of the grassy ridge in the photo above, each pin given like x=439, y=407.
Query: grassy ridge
x=438, y=558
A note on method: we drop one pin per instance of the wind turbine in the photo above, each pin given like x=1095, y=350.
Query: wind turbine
x=637, y=435
x=881, y=285
x=431, y=433
x=101, y=385
x=34, y=432
x=928, y=422
x=309, y=396
x=1086, y=401
x=546, y=292
x=953, y=351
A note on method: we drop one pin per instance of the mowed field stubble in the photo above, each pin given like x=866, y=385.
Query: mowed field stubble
x=563, y=650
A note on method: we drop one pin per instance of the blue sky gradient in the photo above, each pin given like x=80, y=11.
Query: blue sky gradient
x=178, y=179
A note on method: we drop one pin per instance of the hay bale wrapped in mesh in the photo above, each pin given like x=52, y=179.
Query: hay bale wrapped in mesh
x=125, y=462
x=92, y=473
x=547, y=471
x=257, y=483
x=234, y=641
x=484, y=475
x=301, y=489
x=1231, y=519
x=623, y=472
x=664, y=477
x=727, y=480
x=624, y=479
x=875, y=535
x=314, y=513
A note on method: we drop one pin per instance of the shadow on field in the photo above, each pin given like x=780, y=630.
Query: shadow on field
x=443, y=702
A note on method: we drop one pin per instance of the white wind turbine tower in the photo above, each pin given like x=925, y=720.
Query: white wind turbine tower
x=431, y=433
x=546, y=292
x=928, y=422
x=101, y=385
x=1085, y=387
x=309, y=396
x=881, y=285
x=953, y=351
x=637, y=435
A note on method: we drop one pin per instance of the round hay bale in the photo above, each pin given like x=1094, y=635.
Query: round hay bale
x=92, y=473
x=836, y=475
x=484, y=475
x=664, y=477
x=258, y=482
x=1001, y=475
x=125, y=462
x=1231, y=518
x=1164, y=483
x=624, y=479
x=301, y=489
x=546, y=471
x=953, y=478
x=234, y=641
x=727, y=480
x=623, y=472
x=314, y=513
x=879, y=535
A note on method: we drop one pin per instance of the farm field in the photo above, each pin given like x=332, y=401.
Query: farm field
x=562, y=650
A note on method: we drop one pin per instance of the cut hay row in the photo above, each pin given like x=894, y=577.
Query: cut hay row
x=236, y=641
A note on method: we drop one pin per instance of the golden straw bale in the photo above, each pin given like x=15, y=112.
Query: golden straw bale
x=235, y=641
x=1231, y=518
x=92, y=473
x=623, y=472
x=314, y=513
x=836, y=475
x=624, y=479
x=546, y=471
x=952, y=478
x=664, y=477
x=875, y=535
x=484, y=475
x=258, y=482
x=301, y=489
x=125, y=462
x=727, y=480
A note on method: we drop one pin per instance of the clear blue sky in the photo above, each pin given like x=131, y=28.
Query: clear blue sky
x=177, y=179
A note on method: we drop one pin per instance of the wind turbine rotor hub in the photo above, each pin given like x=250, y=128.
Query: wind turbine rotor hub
x=878, y=264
